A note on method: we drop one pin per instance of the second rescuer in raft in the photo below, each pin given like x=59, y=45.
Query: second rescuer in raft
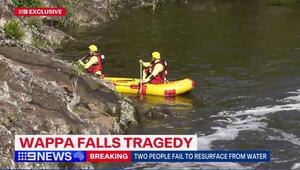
x=94, y=61
x=155, y=71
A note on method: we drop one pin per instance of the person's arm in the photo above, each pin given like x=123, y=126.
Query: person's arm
x=145, y=64
x=157, y=69
x=99, y=73
x=93, y=60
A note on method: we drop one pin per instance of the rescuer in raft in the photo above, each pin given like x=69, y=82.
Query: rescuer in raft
x=155, y=71
x=93, y=62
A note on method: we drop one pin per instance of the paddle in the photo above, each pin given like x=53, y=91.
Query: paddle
x=82, y=58
x=141, y=78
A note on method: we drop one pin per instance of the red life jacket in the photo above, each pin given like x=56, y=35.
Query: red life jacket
x=95, y=67
x=161, y=77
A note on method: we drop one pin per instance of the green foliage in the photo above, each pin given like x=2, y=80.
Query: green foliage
x=11, y=117
x=282, y=2
x=77, y=71
x=38, y=42
x=34, y=23
x=66, y=21
x=27, y=3
x=1, y=120
x=13, y=29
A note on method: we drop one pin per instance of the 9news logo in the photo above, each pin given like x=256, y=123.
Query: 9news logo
x=50, y=156
x=124, y=148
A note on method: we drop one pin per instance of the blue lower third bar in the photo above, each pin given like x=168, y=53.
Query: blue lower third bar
x=50, y=156
x=201, y=156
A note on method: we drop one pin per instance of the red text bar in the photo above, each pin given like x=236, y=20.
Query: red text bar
x=108, y=156
x=40, y=12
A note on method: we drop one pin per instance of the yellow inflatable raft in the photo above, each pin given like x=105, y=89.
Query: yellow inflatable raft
x=131, y=86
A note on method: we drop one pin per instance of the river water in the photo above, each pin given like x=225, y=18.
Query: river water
x=244, y=57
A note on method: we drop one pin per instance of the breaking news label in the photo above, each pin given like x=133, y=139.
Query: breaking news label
x=125, y=148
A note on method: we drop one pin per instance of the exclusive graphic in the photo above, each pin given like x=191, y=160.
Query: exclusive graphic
x=124, y=148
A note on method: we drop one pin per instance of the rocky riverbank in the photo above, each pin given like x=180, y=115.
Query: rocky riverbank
x=36, y=98
x=47, y=33
x=36, y=94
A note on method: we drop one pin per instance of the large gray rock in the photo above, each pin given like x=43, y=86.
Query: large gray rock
x=127, y=116
x=6, y=148
x=54, y=36
x=34, y=100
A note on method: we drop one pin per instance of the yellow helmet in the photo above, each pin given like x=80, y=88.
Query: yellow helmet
x=156, y=55
x=93, y=48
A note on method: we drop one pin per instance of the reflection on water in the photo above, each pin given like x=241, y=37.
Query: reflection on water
x=177, y=103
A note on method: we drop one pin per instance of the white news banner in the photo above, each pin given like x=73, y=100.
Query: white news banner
x=106, y=142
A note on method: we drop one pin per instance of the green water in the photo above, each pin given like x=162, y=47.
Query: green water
x=244, y=57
